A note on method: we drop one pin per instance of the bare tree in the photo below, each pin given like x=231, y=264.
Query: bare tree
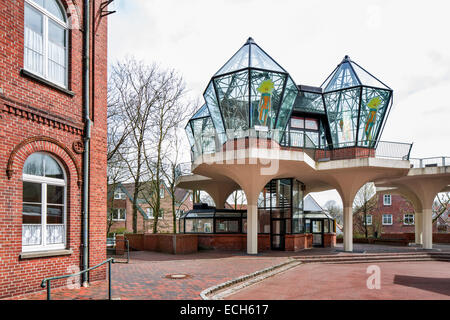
x=238, y=199
x=365, y=201
x=137, y=89
x=334, y=210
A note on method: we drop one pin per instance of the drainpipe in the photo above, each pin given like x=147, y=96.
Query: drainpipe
x=87, y=137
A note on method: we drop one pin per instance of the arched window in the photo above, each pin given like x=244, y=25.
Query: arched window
x=45, y=51
x=44, y=204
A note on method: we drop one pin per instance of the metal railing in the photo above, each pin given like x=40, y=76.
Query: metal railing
x=430, y=162
x=183, y=169
x=217, y=142
x=47, y=281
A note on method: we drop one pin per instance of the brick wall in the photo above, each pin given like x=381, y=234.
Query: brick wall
x=37, y=117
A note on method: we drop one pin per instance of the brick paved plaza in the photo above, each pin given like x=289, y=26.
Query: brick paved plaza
x=144, y=277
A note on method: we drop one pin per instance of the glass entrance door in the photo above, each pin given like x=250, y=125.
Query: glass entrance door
x=317, y=232
x=277, y=234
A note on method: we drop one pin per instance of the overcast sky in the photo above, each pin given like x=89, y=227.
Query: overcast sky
x=406, y=44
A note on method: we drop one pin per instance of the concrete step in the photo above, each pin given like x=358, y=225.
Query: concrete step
x=362, y=258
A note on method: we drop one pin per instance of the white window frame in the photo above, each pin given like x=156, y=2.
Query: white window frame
x=44, y=181
x=413, y=219
x=119, y=210
x=391, y=219
x=161, y=192
x=149, y=212
x=368, y=221
x=387, y=196
x=46, y=16
x=119, y=195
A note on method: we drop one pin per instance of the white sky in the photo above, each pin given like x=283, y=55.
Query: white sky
x=405, y=44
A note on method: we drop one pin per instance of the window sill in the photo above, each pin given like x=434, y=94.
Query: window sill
x=44, y=254
x=48, y=83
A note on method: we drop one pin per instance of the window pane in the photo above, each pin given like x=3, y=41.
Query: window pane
x=39, y=2
x=33, y=46
x=31, y=213
x=227, y=225
x=34, y=165
x=33, y=20
x=31, y=192
x=52, y=168
x=54, y=9
x=311, y=124
x=55, y=194
x=31, y=234
x=55, y=214
x=55, y=234
x=297, y=123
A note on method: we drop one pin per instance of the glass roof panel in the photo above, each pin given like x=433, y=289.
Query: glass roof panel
x=237, y=62
x=366, y=78
x=343, y=77
x=260, y=59
x=202, y=112
x=309, y=102
x=290, y=93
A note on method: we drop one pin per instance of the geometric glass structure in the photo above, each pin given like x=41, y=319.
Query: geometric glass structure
x=251, y=91
x=309, y=100
x=356, y=104
x=201, y=132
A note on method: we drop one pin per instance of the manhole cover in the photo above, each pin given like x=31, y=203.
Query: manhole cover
x=177, y=276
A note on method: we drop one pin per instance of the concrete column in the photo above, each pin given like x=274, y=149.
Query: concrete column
x=418, y=227
x=348, y=228
x=427, y=225
x=252, y=225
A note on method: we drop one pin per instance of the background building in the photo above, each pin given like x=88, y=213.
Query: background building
x=120, y=206
x=46, y=105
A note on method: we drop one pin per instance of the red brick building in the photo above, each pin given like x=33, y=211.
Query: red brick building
x=49, y=88
x=392, y=214
x=120, y=206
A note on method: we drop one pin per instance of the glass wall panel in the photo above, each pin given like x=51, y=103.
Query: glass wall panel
x=266, y=91
x=342, y=110
x=233, y=97
x=214, y=111
x=199, y=225
x=227, y=226
x=290, y=94
x=374, y=104
x=263, y=220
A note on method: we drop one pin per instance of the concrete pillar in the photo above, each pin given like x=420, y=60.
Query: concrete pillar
x=418, y=227
x=427, y=224
x=348, y=228
x=252, y=225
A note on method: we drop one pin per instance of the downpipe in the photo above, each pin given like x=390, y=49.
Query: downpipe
x=87, y=138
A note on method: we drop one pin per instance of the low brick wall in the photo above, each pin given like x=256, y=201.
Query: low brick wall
x=329, y=240
x=167, y=243
x=437, y=237
x=231, y=241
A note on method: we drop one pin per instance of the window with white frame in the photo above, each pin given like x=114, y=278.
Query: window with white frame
x=46, y=33
x=387, y=199
x=368, y=220
x=150, y=213
x=387, y=219
x=119, y=195
x=161, y=192
x=408, y=219
x=44, y=204
x=119, y=214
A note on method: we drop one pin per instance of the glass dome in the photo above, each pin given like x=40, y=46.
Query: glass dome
x=251, y=91
x=356, y=104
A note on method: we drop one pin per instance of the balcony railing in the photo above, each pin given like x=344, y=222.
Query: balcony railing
x=212, y=143
x=430, y=162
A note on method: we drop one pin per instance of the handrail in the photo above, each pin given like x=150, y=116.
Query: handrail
x=47, y=281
